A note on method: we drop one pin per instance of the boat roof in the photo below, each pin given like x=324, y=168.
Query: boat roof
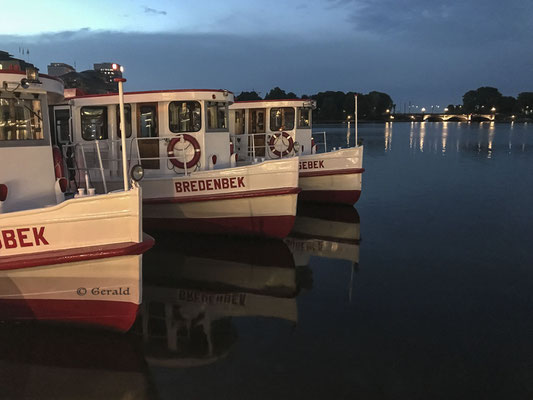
x=48, y=84
x=240, y=105
x=156, y=95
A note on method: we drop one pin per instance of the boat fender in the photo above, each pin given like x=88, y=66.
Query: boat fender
x=233, y=160
x=285, y=139
x=59, y=169
x=3, y=192
x=187, y=141
x=212, y=161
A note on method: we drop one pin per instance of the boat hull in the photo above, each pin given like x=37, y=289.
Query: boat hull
x=99, y=292
x=256, y=199
x=334, y=177
x=265, y=214
x=78, y=261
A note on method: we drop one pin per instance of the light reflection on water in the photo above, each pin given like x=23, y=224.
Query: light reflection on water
x=427, y=292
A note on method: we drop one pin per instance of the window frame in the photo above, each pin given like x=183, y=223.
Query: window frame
x=44, y=124
x=105, y=124
x=130, y=131
x=226, y=116
x=298, y=118
x=190, y=111
x=284, y=126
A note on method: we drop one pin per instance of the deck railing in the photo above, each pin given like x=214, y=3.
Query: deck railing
x=104, y=158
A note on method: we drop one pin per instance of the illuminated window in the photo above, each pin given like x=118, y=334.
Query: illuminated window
x=94, y=123
x=20, y=119
x=304, y=118
x=127, y=115
x=281, y=119
x=217, y=116
x=184, y=116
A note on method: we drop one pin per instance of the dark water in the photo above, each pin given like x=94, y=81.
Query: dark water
x=434, y=301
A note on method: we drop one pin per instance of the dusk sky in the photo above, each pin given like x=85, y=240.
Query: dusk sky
x=429, y=53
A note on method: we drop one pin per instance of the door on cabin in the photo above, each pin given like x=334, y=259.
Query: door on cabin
x=148, y=128
x=256, y=143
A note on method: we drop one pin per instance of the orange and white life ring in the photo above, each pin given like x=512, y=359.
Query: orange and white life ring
x=184, y=150
x=281, y=144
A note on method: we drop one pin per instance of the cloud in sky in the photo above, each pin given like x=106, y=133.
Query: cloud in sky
x=412, y=50
x=148, y=10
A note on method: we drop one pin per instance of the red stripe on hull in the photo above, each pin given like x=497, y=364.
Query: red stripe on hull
x=330, y=196
x=224, y=196
x=271, y=226
x=116, y=315
x=348, y=171
x=77, y=254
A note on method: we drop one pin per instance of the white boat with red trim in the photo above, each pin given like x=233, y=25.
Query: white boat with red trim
x=67, y=260
x=191, y=179
x=278, y=129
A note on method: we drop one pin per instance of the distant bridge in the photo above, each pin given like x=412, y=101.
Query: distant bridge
x=446, y=117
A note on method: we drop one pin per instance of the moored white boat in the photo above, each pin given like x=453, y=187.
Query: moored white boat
x=277, y=129
x=66, y=260
x=191, y=180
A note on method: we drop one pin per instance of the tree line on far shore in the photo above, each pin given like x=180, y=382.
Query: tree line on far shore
x=335, y=106
x=486, y=100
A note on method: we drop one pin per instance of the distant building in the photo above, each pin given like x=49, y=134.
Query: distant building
x=58, y=69
x=109, y=71
x=7, y=61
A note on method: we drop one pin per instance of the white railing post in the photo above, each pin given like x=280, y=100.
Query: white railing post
x=123, y=131
x=101, y=165
x=183, y=155
x=85, y=168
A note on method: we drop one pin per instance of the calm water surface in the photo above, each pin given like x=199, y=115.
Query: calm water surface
x=425, y=291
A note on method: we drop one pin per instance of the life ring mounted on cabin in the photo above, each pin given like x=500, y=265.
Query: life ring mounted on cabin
x=281, y=144
x=184, y=151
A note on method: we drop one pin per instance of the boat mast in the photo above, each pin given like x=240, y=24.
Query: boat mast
x=123, y=130
x=355, y=119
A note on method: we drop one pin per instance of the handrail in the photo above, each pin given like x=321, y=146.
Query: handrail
x=105, y=152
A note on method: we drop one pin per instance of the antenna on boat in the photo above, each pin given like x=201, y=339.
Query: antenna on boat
x=355, y=119
x=123, y=130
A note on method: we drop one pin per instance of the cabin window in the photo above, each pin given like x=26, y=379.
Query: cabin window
x=217, y=116
x=94, y=123
x=127, y=115
x=185, y=116
x=20, y=119
x=304, y=118
x=239, y=122
x=282, y=119
x=62, y=126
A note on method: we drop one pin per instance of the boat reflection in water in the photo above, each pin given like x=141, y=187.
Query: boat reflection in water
x=330, y=231
x=194, y=286
x=40, y=361
x=327, y=231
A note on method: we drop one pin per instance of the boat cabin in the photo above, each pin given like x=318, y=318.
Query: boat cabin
x=168, y=132
x=28, y=178
x=271, y=128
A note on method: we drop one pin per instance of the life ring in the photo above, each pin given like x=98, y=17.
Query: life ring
x=278, y=141
x=59, y=168
x=189, y=150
